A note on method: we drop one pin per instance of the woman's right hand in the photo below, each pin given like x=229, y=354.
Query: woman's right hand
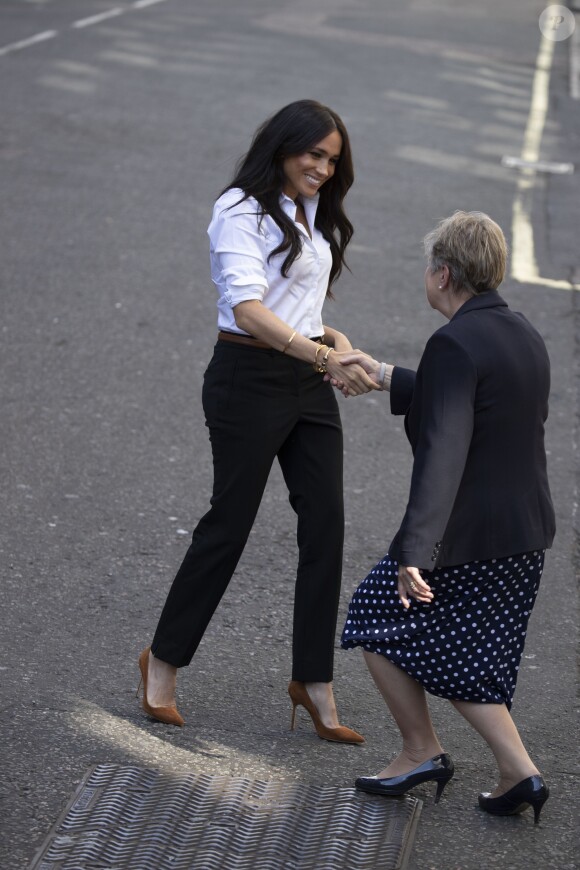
x=411, y=585
x=350, y=359
x=349, y=372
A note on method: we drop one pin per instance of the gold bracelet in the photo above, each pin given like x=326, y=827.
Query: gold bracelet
x=289, y=342
x=316, y=366
x=324, y=362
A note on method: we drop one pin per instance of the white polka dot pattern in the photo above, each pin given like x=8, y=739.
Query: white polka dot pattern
x=467, y=643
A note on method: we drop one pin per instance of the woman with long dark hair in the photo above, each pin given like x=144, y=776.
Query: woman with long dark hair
x=277, y=240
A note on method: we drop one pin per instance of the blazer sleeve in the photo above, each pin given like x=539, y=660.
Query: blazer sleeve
x=446, y=419
x=402, y=386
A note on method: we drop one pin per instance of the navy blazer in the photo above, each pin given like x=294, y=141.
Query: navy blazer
x=474, y=415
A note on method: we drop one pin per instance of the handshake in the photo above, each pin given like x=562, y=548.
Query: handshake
x=354, y=372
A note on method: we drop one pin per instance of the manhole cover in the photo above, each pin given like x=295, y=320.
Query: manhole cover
x=130, y=818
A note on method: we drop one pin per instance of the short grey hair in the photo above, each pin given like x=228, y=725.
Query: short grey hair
x=474, y=249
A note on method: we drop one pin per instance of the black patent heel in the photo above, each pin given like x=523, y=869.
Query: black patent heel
x=531, y=792
x=438, y=769
x=537, y=810
x=441, y=783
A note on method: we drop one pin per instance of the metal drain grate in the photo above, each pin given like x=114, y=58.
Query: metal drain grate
x=129, y=818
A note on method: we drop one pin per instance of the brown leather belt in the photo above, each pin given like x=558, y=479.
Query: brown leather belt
x=243, y=339
x=235, y=338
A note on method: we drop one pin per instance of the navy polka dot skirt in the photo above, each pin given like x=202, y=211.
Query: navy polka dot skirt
x=466, y=644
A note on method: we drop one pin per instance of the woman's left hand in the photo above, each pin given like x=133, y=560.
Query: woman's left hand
x=411, y=584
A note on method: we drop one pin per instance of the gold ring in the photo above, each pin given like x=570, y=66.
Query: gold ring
x=413, y=585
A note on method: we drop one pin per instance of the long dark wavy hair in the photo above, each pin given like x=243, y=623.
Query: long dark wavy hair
x=292, y=131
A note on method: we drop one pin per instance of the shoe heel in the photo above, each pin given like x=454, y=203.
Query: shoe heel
x=293, y=720
x=169, y=714
x=300, y=698
x=531, y=792
x=537, y=808
x=441, y=783
x=139, y=688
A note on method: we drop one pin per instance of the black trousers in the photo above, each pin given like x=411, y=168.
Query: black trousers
x=260, y=404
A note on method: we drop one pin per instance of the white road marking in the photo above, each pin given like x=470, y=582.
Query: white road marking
x=26, y=43
x=82, y=22
x=96, y=19
x=524, y=265
x=141, y=4
x=68, y=83
x=538, y=166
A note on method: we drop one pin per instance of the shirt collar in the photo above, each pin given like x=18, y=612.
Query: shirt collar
x=310, y=204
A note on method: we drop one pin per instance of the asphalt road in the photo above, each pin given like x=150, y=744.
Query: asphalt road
x=117, y=134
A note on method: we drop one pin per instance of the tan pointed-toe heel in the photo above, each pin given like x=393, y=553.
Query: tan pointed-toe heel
x=168, y=715
x=300, y=697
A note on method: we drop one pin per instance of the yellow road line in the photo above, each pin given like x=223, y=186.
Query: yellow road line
x=523, y=260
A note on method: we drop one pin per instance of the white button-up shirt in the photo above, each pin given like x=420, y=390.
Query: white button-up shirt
x=239, y=249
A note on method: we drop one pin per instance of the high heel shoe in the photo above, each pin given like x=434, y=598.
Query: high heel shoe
x=300, y=697
x=440, y=768
x=531, y=792
x=168, y=715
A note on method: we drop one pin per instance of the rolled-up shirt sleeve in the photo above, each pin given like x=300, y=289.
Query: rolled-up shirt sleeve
x=239, y=246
